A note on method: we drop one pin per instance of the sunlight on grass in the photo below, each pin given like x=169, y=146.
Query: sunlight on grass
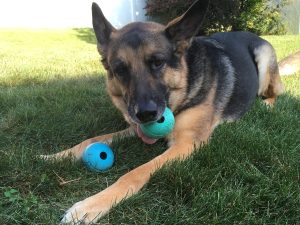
x=39, y=56
x=284, y=44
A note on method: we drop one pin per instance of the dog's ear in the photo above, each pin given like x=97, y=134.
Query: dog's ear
x=102, y=27
x=183, y=28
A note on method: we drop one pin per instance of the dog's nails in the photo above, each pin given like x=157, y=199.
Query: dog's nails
x=44, y=157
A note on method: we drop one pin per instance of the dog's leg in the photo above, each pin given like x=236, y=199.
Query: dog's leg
x=77, y=150
x=275, y=88
x=193, y=128
x=270, y=85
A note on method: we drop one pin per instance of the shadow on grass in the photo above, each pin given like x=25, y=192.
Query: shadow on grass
x=86, y=34
x=57, y=115
x=61, y=105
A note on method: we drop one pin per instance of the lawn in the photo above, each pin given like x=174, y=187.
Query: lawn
x=52, y=96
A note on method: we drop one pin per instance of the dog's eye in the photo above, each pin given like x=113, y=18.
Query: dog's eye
x=120, y=68
x=156, y=64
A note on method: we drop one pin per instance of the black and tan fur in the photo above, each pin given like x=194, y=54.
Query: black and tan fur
x=204, y=80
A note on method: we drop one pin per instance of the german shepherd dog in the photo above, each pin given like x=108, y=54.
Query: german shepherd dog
x=204, y=80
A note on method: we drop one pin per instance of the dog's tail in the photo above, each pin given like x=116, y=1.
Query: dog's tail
x=290, y=64
x=270, y=84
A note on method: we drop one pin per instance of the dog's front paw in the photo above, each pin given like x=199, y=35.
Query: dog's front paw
x=85, y=212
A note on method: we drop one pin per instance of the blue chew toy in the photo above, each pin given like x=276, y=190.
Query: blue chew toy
x=98, y=157
x=160, y=128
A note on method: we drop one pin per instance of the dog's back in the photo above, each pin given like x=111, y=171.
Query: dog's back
x=239, y=47
x=252, y=56
x=243, y=66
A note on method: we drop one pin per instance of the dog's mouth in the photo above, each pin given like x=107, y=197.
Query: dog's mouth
x=138, y=123
x=144, y=138
x=132, y=112
x=133, y=115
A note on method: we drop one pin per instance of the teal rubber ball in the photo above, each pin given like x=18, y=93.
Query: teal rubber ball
x=160, y=128
x=98, y=157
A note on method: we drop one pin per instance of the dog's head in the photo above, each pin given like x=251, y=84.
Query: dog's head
x=144, y=60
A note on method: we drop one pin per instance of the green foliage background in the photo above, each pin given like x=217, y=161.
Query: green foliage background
x=258, y=16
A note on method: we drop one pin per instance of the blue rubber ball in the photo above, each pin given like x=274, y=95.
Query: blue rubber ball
x=160, y=128
x=98, y=157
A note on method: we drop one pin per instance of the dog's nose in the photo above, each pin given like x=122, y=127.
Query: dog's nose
x=147, y=112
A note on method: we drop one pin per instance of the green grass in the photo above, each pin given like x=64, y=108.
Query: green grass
x=52, y=96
